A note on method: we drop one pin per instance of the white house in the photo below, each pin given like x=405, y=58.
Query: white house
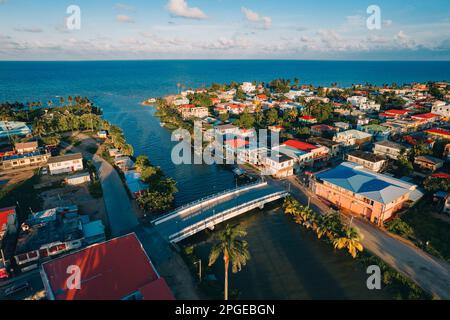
x=388, y=148
x=441, y=108
x=278, y=165
x=78, y=178
x=352, y=137
x=66, y=163
x=248, y=87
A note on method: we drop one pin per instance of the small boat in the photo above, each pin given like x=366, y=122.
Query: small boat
x=162, y=124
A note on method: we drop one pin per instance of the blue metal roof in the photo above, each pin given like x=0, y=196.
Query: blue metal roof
x=374, y=186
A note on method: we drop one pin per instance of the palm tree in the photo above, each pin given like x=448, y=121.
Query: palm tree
x=234, y=250
x=350, y=241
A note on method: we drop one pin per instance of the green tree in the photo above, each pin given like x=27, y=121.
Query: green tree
x=233, y=249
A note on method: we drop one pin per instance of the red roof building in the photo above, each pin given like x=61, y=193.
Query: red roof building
x=426, y=117
x=439, y=132
x=308, y=119
x=396, y=112
x=118, y=269
x=441, y=175
x=6, y=219
x=237, y=143
x=300, y=145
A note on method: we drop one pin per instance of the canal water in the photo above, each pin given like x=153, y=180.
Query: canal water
x=287, y=261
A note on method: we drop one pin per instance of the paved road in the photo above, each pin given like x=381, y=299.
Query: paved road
x=430, y=273
x=121, y=215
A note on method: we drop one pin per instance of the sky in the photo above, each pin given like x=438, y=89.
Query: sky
x=225, y=29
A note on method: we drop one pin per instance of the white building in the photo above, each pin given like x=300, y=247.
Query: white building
x=356, y=101
x=388, y=148
x=368, y=160
x=278, y=165
x=66, y=163
x=180, y=101
x=352, y=137
x=370, y=106
x=441, y=108
x=78, y=178
x=248, y=87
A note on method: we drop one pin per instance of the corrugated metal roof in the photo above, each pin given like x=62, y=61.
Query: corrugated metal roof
x=377, y=187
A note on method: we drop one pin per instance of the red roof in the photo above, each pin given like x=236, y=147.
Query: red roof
x=426, y=116
x=441, y=175
x=396, y=112
x=4, y=214
x=156, y=290
x=300, y=145
x=110, y=270
x=322, y=127
x=439, y=131
x=237, y=143
x=308, y=118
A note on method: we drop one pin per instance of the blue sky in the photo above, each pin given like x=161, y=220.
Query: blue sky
x=224, y=29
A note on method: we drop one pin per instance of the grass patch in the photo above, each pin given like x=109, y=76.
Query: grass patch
x=398, y=285
x=425, y=231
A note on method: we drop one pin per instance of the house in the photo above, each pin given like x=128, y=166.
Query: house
x=395, y=113
x=356, y=101
x=370, y=106
x=362, y=192
x=102, y=134
x=191, y=111
x=441, y=108
x=248, y=87
x=36, y=158
x=428, y=162
x=114, y=152
x=48, y=234
x=180, y=101
x=13, y=128
x=252, y=155
x=134, y=183
x=106, y=273
x=379, y=132
x=305, y=154
x=226, y=129
x=368, y=160
x=93, y=232
x=276, y=128
x=439, y=133
x=66, y=163
x=277, y=164
x=427, y=118
x=124, y=163
x=334, y=147
x=352, y=137
x=388, y=149
x=321, y=129
x=307, y=119
x=79, y=178
x=26, y=147
x=342, y=126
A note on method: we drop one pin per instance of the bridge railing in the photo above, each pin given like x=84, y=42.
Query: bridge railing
x=204, y=199
x=201, y=225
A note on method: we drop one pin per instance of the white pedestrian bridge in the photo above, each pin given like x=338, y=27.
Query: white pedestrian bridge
x=207, y=212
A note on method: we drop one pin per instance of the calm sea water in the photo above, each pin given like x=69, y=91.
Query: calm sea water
x=286, y=261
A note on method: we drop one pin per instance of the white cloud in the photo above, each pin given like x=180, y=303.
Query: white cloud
x=180, y=8
x=124, y=18
x=254, y=17
x=123, y=6
x=31, y=30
